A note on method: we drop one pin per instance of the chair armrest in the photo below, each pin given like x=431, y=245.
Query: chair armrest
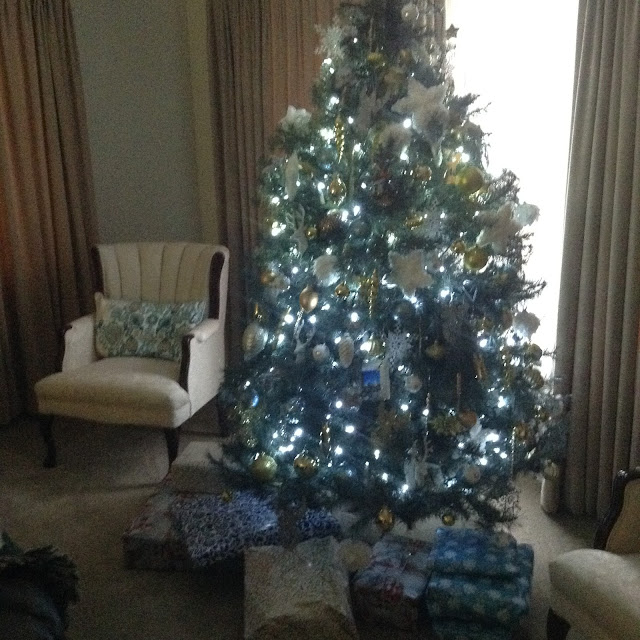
x=79, y=343
x=618, y=531
x=203, y=361
x=204, y=330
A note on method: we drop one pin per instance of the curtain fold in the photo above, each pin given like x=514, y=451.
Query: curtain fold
x=47, y=211
x=598, y=360
x=262, y=60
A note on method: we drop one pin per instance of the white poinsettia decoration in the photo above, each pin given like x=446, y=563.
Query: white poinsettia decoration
x=500, y=228
x=292, y=175
x=408, y=271
x=296, y=120
x=395, y=137
x=526, y=323
x=526, y=214
x=429, y=115
x=332, y=39
x=325, y=269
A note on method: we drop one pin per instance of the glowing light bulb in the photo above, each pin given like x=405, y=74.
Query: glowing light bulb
x=354, y=316
x=406, y=123
x=313, y=319
x=385, y=476
x=327, y=61
x=274, y=435
x=334, y=100
x=376, y=454
x=404, y=488
x=298, y=432
x=247, y=384
x=338, y=451
x=502, y=402
x=404, y=406
x=483, y=462
x=295, y=270
x=349, y=428
x=339, y=404
x=356, y=209
x=275, y=200
x=280, y=338
x=445, y=292
x=404, y=156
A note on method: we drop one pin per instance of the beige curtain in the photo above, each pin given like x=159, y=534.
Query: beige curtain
x=262, y=60
x=46, y=197
x=598, y=349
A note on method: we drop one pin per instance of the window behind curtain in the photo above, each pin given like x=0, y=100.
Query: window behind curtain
x=519, y=58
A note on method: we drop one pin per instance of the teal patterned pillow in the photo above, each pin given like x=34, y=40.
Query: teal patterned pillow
x=144, y=329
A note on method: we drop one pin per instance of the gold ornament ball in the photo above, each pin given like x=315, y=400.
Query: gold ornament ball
x=435, y=351
x=308, y=299
x=337, y=190
x=342, y=290
x=542, y=414
x=448, y=519
x=533, y=351
x=385, y=519
x=311, y=232
x=405, y=57
x=470, y=179
x=535, y=378
x=521, y=431
x=267, y=277
x=305, y=465
x=423, y=173
x=375, y=58
x=468, y=418
x=475, y=258
x=263, y=468
x=413, y=222
x=458, y=247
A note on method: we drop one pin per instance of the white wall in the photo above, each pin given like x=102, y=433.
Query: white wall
x=134, y=58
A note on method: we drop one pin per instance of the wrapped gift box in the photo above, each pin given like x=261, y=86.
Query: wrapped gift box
x=301, y=592
x=214, y=529
x=391, y=589
x=474, y=552
x=450, y=629
x=152, y=541
x=180, y=531
x=499, y=597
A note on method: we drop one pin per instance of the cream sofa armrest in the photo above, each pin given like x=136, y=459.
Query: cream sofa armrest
x=203, y=362
x=205, y=329
x=79, y=343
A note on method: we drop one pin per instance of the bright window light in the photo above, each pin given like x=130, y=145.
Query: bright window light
x=493, y=27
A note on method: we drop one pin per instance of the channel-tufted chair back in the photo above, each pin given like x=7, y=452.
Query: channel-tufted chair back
x=162, y=272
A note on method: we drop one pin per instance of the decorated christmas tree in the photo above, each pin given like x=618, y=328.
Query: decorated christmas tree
x=389, y=365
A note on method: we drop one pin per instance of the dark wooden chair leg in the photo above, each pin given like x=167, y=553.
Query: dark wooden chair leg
x=172, y=436
x=557, y=627
x=46, y=429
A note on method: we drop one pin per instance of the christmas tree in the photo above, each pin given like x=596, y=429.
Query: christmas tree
x=388, y=366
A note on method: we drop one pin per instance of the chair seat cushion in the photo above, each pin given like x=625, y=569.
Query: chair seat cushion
x=603, y=585
x=141, y=391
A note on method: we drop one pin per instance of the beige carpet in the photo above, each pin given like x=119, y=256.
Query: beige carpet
x=104, y=475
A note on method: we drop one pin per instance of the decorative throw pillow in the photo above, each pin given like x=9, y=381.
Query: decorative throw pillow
x=144, y=329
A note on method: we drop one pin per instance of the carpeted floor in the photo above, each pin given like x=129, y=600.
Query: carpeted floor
x=103, y=477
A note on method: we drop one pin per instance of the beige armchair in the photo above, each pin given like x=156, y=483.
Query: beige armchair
x=597, y=591
x=149, y=291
